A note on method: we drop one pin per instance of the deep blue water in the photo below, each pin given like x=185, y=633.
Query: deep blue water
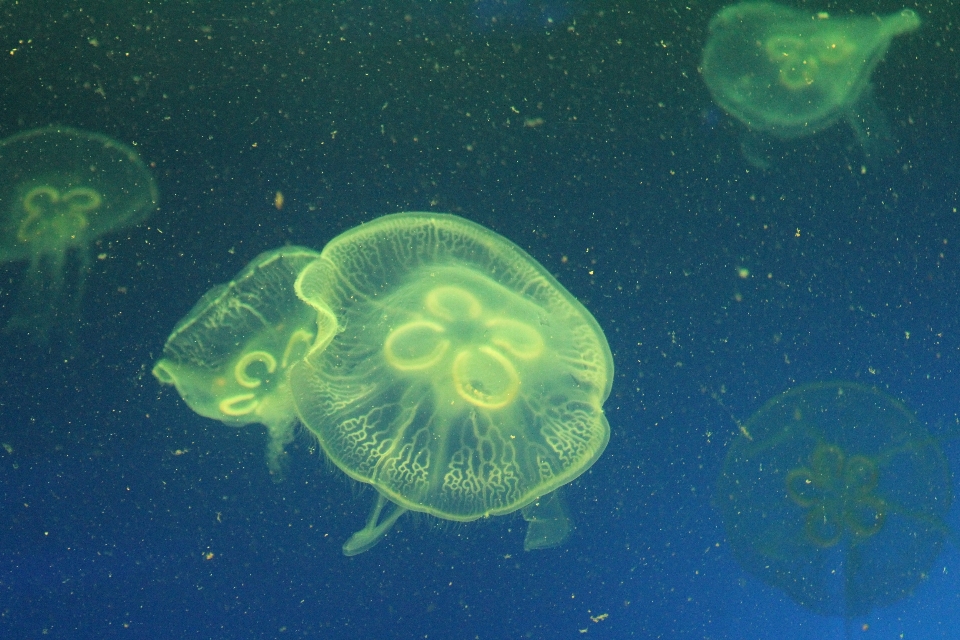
x=577, y=130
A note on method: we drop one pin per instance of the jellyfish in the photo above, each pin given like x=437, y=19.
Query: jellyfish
x=229, y=358
x=60, y=190
x=836, y=494
x=786, y=74
x=452, y=373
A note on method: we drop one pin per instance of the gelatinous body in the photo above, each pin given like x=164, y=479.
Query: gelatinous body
x=836, y=494
x=787, y=73
x=456, y=376
x=230, y=356
x=60, y=190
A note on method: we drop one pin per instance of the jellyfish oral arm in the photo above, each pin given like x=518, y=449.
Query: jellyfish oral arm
x=373, y=532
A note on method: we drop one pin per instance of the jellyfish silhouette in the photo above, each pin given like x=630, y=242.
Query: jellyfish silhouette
x=60, y=190
x=452, y=373
x=786, y=74
x=230, y=355
x=836, y=494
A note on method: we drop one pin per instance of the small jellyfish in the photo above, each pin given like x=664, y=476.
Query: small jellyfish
x=452, y=373
x=787, y=74
x=60, y=190
x=230, y=356
x=837, y=495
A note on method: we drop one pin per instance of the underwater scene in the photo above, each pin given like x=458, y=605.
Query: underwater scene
x=479, y=319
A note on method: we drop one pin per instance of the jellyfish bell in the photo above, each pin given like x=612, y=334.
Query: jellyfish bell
x=786, y=74
x=452, y=373
x=230, y=356
x=837, y=495
x=60, y=190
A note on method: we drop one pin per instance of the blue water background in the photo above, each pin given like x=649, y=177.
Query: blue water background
x=583, y=132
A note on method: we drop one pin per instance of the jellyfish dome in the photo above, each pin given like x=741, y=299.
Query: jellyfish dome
x=229, y=357
x=60, y=190
x=786, y=74
x=781, y=71
x=451, y=372
x=836, y=494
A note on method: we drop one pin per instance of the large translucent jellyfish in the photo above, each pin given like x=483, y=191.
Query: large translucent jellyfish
x=452, y=373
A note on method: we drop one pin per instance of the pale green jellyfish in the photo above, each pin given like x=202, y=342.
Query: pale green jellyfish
x=452, y=373
x=786, y=73
x=60, y=190
x=230, y=356
x=836, y=494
